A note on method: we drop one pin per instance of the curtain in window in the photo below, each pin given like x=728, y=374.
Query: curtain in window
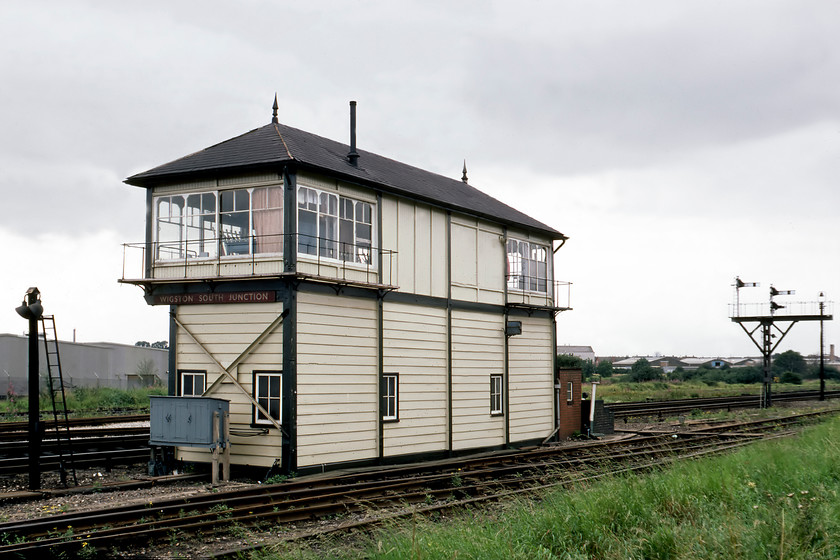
x=267, y=204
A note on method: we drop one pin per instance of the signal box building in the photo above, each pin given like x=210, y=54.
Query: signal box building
x=353, y=309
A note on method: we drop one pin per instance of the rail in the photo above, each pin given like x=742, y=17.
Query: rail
x=371, y=496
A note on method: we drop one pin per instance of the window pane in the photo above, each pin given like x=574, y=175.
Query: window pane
x=345, y=238
x=346, y=208
x=363, y=232
x=308, y=228
x=329, y=204
x=193, y=204
x=226, y=201
x=235, y=237
x=242, y=199
x=329, y=236
x=267, y=218
x=364, y=213
x=208, y=201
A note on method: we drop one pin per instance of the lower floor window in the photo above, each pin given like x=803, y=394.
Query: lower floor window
x=192, y=383
x=496, y=394
x=267, y=392
x=390, y=396
x=570, y=392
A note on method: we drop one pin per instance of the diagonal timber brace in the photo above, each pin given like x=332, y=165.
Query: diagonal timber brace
x=226, y=371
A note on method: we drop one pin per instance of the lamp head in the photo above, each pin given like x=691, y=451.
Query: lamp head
x=23, y=310
x=36, y=309
x=31, y=307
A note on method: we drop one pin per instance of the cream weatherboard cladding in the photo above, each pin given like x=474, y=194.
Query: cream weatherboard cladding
x=415, y=346
x=417, y=232
x=226, y=331
x=478, y=261
x=337, y=379
x=530, y=366
x=429, y=313
x=477, y=352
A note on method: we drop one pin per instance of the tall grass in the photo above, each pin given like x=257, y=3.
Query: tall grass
x=89, y=400
x=612, y=391
x=775, y=499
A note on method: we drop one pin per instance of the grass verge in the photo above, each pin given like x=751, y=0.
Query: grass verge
x=90, y=400
x=776, y=499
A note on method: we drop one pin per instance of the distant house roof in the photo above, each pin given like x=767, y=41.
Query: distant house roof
x=575, y=349
x=276, y=145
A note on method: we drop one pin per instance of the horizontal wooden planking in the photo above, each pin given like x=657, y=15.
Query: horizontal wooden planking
x=415, y=346
x=316, y=435
x=477, y=351
x=531, y=380
x=396, y=450
x=363, y=427
x=326, y=454
x=337, y=380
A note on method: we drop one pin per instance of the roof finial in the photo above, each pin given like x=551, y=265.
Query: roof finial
x=464, y=176
x=275, y=107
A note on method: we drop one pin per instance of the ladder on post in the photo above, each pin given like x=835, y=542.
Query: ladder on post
x=59, y=401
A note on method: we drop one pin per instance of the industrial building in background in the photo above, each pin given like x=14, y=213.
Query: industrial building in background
x=85, y=364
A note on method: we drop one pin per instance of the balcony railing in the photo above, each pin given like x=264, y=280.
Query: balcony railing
x=230, y=256
x=785, y=309
x=532, y=291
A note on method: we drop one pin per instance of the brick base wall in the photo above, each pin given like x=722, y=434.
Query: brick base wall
x=568, y=411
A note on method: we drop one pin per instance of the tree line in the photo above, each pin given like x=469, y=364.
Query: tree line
x=786, y=367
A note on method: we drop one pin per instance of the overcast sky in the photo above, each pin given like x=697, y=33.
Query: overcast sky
x=677, y=144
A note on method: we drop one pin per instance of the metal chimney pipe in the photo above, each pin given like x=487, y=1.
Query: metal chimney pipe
x=353, y=156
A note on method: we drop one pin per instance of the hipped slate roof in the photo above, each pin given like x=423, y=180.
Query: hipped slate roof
x=276, y=144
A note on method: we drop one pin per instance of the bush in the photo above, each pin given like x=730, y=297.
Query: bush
x=791, y=377
x=643, y=371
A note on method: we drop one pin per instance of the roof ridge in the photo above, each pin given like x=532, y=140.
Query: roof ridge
x=280, y=135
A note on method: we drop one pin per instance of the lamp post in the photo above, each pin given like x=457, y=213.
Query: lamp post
x=822, y=353
x=32, y=310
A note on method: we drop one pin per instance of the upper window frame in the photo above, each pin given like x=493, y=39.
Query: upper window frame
x=211, y=234
x=345, y=228
x=527, y=264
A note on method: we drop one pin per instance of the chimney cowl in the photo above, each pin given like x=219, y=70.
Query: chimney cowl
x=353, y=155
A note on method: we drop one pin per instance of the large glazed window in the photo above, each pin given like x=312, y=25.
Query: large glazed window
x=334, y=226
x=229, y=222
x=527, y=266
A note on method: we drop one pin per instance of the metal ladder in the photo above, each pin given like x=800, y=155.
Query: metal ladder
x=59, y=401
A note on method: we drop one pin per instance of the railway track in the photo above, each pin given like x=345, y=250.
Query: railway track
x=369, y=497
x=94, y=443
x=681, y=406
